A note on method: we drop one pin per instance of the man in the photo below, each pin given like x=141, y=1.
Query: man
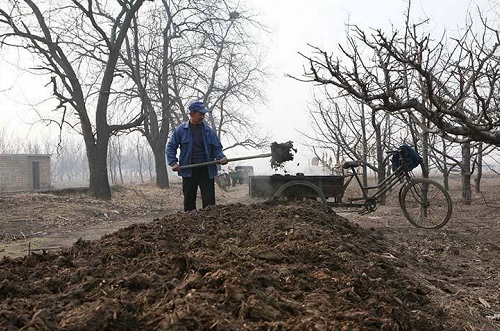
x=198, y=143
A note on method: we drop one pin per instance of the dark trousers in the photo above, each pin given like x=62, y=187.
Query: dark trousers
x=190, y=188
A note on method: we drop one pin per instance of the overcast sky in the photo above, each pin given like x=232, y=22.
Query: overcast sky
x=322, y=23
x=293, y=24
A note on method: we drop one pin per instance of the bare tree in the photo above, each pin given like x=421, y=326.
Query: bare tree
x=140, y=157
x=68, y=159
x=465, y=158
x=78, y=44
x=466, y=173
x=116, y=158
x=354, y=130
x=439, y=158
x=449, y=86
x=231, y=80
x=453, y=83
x=194, y=50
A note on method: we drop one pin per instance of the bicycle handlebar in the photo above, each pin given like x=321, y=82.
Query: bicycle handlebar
x=392, y=152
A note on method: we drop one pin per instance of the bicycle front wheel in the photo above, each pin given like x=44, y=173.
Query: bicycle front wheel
x=426, y=204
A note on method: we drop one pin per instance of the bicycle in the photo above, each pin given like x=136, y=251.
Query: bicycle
x=424, y=202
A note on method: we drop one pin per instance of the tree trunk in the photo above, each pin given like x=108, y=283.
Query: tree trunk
x=381, y=172
x=150, y=168
x=466, y=174
x=111, y=168
x=120, y=171
x=98, y=178
x=425, y=153
x=477, y=180
x=446, y=172
x=388, y=142
x=119, y=163
x=446, y=180
x=161, y=166
x=139, y=160
x=380, y=153
x=364, y=152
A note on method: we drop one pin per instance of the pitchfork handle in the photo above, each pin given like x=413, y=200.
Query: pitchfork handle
x=228, y=160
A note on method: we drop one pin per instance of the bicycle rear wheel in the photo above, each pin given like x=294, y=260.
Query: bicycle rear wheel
x=425, y=203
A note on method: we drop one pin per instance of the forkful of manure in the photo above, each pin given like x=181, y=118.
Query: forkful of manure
x=281, y=153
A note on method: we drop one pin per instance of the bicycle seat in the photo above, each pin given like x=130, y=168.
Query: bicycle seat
x=351, y=164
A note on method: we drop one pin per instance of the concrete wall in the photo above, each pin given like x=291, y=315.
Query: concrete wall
x=16, y=172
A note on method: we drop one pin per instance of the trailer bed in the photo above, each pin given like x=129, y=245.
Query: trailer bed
x=267, y=186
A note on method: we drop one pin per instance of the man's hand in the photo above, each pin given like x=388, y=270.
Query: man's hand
x=175, y=167
x=223, y=160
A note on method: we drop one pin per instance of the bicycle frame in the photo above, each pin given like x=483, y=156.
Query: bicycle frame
x=370, y=201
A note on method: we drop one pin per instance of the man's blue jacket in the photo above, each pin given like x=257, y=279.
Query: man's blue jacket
x=182, y=137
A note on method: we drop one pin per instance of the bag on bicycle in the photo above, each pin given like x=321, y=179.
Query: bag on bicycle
x=409, y=156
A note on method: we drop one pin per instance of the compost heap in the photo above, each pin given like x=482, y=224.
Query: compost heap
x=234, y=267
x=281, y=153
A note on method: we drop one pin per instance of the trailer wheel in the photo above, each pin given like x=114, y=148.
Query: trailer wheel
x=281, y=191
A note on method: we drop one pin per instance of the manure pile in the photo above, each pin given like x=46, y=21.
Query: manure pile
x=234, y=267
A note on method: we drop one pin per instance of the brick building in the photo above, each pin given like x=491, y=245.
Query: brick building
x=23, y=172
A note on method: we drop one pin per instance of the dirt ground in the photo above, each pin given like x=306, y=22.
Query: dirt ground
x=242, y=266
x=46, y=221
